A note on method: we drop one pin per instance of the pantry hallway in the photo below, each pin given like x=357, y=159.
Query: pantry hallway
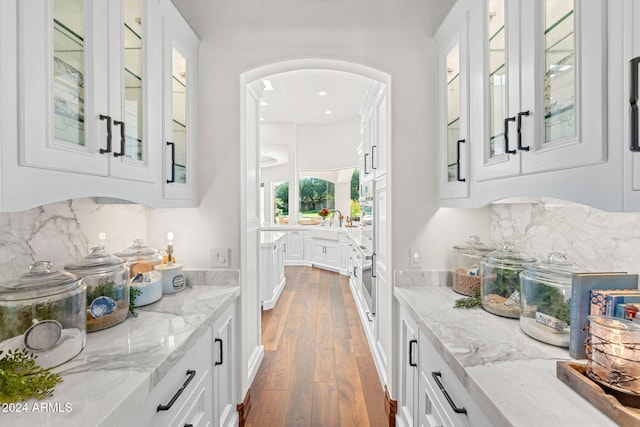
x=317, y=368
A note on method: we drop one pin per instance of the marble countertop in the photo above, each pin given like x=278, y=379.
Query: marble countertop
x=511, y=376
x=268, y=238
x=119, y=366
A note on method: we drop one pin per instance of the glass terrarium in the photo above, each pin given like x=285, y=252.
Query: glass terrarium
x=43, y=312
x=107, y=280
x=466, y=263
x=500, y=280
x=545, y=299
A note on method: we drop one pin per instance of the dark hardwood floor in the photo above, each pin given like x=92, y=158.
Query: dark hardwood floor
x=317, y=369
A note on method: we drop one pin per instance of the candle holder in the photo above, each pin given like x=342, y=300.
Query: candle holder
x=613, y=353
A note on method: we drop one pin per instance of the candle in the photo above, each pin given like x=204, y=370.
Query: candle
x=169, y=247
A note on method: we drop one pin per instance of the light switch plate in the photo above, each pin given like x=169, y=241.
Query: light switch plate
x=416, y=258
x=219, y=257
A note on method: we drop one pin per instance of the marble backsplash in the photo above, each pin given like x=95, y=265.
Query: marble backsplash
x=62, y=232
x=592, y=239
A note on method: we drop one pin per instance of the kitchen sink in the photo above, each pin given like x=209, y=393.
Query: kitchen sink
x=319, y=233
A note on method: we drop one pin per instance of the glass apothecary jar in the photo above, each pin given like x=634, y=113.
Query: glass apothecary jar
x=43, y=311
x=107, y=280
x=500, y=280
x=141, y=258
x=466, y=264
x=545, y=299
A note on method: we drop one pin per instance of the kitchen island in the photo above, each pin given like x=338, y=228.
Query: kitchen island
x=510, y=376
x=120, y=366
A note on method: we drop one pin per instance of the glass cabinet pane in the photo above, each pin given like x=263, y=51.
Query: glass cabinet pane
x=559, y=72
x=132, y=78
x=453, y=112
x=497, y=76
x=179, y=116
x=68, y=71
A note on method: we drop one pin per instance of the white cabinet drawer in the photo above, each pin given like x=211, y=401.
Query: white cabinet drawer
x=196, y=411
x=176, y=388
x=435, y=370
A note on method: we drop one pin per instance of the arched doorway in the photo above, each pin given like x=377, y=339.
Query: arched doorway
x=251, y=350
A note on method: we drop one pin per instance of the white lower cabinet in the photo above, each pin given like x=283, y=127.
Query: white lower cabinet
x=429, y=392
x=295, y=246
x=224, y=368
x=176, y=396
x=272, y=279
x=329, y=253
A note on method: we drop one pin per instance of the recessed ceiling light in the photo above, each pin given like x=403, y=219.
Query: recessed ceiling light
x=261, y=119
x=264, y=103
x=322, y=93
x=267, y=84
x=328, y=112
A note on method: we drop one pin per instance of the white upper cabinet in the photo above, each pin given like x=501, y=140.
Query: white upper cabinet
x=373, y=127
x=180, y=53
x=88, y=98
x=540, y=85
x=453, y=105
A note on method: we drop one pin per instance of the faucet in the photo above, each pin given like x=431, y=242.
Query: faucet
x=339, y=218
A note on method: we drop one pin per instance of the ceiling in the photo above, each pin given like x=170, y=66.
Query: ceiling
x=295, y=97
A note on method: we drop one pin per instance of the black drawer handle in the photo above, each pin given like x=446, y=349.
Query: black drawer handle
x=122, y=139
x=519, y=127
x=506, y=135
x=366, y=155
x=436, y=376
x=219, y=341
x=191, y=374
x=411, y=343
x=108, y=119
x=173, y=162
x=374, y=148
x=188, y=425
x=633, y=105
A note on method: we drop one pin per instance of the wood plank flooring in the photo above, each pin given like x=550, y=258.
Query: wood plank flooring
x=317, y=368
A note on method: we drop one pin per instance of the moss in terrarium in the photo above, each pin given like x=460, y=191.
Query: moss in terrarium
x=108, y=289
x=16, y=319
x=548, y=300
x=502, y=281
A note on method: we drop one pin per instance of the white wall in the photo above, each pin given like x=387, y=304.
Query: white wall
x=268, y=177
x=332, y=146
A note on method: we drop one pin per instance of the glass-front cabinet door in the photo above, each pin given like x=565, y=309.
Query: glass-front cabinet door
x=453, y=119
x=84, y=86
x=543, y=86
x=180, y=79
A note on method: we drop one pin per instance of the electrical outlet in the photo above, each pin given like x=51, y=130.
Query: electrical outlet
x=219, y=257
x=416, y=258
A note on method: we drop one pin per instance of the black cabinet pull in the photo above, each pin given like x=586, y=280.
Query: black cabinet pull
x=122, y=140
x=519, y=127
x=355, y=272
x=219, y=341
x=284, y=247
x=506, y=135
x=634, y=145
x=436, y=376
x=373, y=265
x=460, y=141
x=191, y=374
x=366, y=155
x=411, y=343
x=373, y=162
x=369, y=317
x=188, y=425
x=173, y=162
x=108, y=119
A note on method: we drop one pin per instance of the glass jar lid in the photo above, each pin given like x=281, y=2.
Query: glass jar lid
x=615, y=323
x=39, y=281
x=508, y=256
x=138, y=250
x=473, y=245
x=97, y=262
x=555, y=268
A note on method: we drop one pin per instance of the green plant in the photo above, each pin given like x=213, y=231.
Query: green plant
x=133, y=294
x=469, y=302
x=15, y=320
x=355, y=208
x=21, y=378
x=502, y=282
x=108, y=289
x=549, y=300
